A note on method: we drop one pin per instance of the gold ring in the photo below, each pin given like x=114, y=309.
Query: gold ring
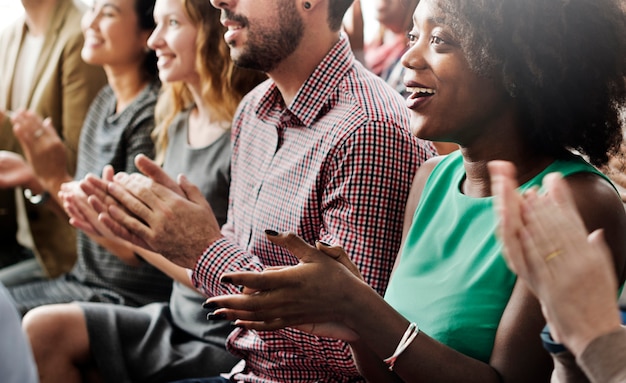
x=553, y=255
x=38, y=133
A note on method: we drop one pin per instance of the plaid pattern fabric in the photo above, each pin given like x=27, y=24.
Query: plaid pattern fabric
x=335, y=165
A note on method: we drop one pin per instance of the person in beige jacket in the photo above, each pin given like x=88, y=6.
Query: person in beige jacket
x=42, y=71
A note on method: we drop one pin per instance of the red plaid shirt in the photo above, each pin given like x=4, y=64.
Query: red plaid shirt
x=335, y=165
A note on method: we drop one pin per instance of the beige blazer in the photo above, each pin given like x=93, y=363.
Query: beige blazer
x=62, y=89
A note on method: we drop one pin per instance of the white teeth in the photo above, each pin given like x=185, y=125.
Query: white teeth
x=93, y=40
x=415, y=89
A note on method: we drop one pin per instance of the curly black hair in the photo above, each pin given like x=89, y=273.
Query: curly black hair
x=564, y=62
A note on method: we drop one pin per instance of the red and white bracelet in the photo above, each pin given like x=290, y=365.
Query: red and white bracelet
x=407, y=338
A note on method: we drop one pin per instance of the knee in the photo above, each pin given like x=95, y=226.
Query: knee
x=56, y=329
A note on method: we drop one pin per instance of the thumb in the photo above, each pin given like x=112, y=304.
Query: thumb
x=296, y=245
x=47, y=124
x=191, y=191
x=152, y=170
x=339, y=255
x=597, y=240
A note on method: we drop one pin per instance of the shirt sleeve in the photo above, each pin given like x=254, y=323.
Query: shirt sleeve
x=367, y=177
x=365, y=196
x=603, y=359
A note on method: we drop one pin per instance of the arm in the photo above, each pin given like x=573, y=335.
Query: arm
x=302, y=295
x=578, y=285
x=378, y=189
x=365, y=194
x=17, y=172
x=44, y=151
x=84, y=216
x=287, y=301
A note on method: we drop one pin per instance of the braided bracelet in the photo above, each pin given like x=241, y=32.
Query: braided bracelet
x=406, y=340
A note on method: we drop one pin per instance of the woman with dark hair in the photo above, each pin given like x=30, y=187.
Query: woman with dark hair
x=527, y=82
x=160, y=342
x=116, y=129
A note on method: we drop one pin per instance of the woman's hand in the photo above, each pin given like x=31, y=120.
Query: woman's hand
x=314, y=296
x=14, y=172
x=80, y=200
x=43, y=148
x=547, y=245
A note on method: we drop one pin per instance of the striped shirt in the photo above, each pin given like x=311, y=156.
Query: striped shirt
x=116, y=138
x=336, y=165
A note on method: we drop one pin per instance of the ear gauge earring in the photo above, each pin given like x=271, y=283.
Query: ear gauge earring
x=307, y=5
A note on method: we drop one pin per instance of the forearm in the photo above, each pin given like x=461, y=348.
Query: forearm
x=603, y=359
x=169, y=268
x=220, y=257
x=52, y=187
x=424, y=360
x=370, y=366
x=120, y=248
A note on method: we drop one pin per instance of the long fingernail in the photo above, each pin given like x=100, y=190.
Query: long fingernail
x=271, y=233
x=212, y=316
x=226, y=280
x=210, y=306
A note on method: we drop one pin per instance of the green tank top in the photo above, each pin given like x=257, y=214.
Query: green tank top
x=452, y=279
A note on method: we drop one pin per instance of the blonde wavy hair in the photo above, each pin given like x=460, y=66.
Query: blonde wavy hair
x=223, y=84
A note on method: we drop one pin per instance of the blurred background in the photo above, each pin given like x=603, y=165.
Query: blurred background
x=11, y=9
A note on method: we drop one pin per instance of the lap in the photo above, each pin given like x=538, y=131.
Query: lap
x=64, y=289
x=144, y=344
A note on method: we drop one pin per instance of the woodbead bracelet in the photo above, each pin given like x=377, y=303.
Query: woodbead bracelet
x=406, y=340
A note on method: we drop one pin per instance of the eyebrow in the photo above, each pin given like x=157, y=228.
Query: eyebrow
x=111, y=5
x=433, y=20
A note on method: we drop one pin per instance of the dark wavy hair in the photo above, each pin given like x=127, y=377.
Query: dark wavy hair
x=336, y=11
x=145, y=21
x=564, y=62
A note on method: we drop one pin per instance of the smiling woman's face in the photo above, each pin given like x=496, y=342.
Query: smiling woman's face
x=448, y=101
x=174, y=41
x=112, y=34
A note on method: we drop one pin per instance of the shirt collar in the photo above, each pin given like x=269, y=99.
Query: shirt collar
x=317, y=89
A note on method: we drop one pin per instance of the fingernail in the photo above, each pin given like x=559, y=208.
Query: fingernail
x=325, y=243
x=210, y=306
x=220, y=316
x=226, y=280
x=271, y=233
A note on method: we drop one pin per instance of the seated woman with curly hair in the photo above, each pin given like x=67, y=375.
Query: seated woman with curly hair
x=527, y=82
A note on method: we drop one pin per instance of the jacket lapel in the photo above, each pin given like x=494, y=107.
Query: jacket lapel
x=49, y=44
